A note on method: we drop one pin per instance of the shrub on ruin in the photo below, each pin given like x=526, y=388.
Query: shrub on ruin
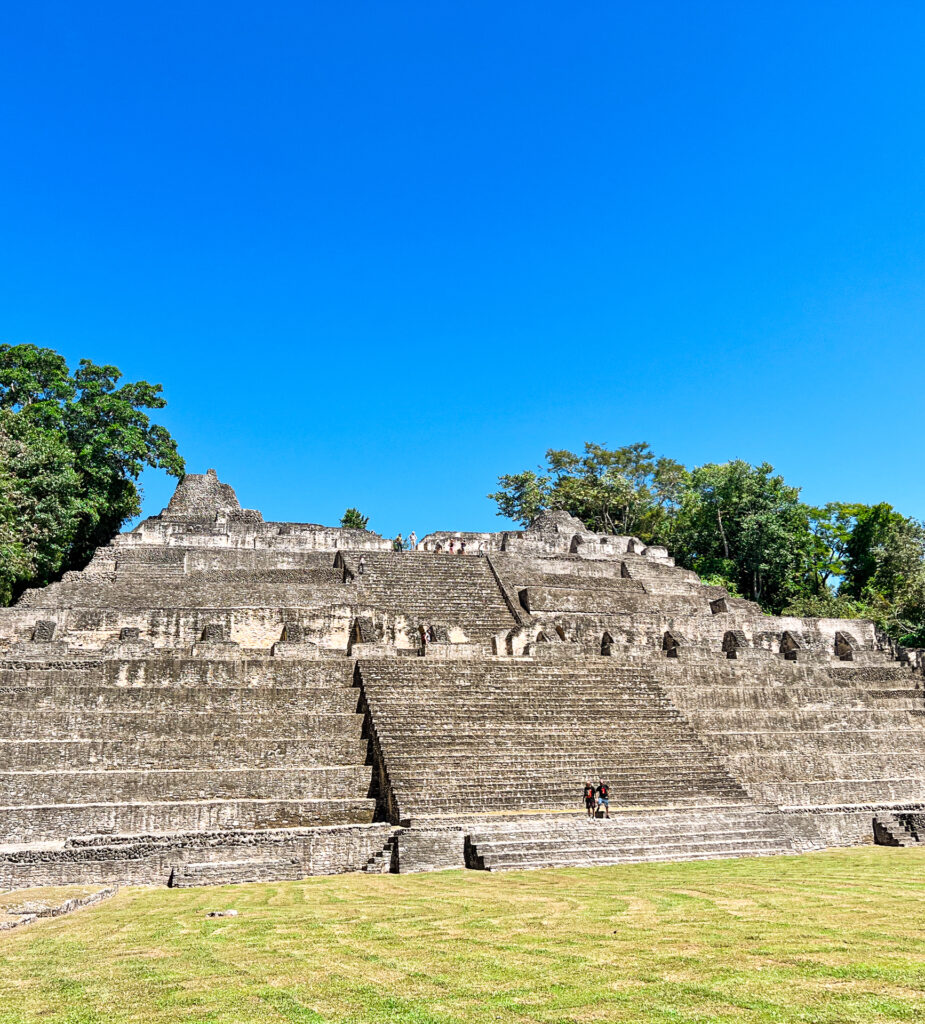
x=353, y=519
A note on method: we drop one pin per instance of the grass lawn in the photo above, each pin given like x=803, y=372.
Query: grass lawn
x=836, y=936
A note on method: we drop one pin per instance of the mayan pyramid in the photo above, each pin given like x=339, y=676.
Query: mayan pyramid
x=216, y=698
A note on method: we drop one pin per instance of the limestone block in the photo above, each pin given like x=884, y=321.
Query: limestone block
x=215, y=649
x=44, y=631
x=374, y=650
x=35, y=650
x=449, y=652
x=282, y=649
x=545, y=651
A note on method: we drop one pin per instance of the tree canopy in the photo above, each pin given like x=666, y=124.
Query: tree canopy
x=743, y=527
x=72, y=446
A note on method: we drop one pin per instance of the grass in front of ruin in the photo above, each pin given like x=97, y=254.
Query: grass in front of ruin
x=828, y=937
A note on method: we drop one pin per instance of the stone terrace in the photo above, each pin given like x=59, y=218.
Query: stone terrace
x=218, y=698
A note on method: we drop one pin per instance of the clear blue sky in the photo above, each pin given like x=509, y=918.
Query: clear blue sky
x=379, y=253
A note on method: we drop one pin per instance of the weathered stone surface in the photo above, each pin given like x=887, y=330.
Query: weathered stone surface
x=234, y=700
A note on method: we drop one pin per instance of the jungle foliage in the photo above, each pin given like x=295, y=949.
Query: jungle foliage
x=72, y=445
x=743, y=527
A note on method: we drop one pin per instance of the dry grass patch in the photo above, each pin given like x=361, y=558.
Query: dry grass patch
x=830, y=937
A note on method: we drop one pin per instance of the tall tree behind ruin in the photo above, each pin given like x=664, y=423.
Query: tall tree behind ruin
x=72, y=446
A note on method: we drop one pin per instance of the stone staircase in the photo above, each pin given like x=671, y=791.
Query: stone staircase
x=892, y=830
x=380, y=863
x=435, y=588
x=497, y=735
x=82, y=758
x=548, y=842
x=810, y=735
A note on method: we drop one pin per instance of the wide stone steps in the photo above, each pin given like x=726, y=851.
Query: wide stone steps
x=474, y=737
x=765, y=698
x=83, y=725
x=561, y=783
x=184, y=674
x=872, y=792
x=457, y=749
x=669, y=835
x=190, y=700
x=643, y=855
x=677, y=798
x=30, y=823
x=183, y=751
x=725, y=720
x=115, y=786
x=908, y=737
x=801, y=765
x=444, y=590
x=641, y=849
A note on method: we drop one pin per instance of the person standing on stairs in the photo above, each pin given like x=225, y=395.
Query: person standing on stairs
x=412, y=541
x=398, y=544
x=603, y=797
x=361, y=565
x=590, y=802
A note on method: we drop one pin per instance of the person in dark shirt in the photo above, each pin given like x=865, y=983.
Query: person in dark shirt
x=603, y=797
x=590, y=802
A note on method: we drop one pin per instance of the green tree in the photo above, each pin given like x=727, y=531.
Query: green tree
x=353, y=519
x=885, y=568
x=831, y=527
x=875, y=529
x=86, y=438
x=40, y=503
x=624, y=490
x=744, y=524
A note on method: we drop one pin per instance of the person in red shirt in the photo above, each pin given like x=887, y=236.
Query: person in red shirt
x=603, y=798
x=590, y=802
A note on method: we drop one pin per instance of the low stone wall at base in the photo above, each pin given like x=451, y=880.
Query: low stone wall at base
x=819, y=827
x=190, y=859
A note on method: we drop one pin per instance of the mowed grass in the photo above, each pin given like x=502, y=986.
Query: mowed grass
x=836, y=936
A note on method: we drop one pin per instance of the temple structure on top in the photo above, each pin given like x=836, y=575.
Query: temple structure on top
x=218, y=698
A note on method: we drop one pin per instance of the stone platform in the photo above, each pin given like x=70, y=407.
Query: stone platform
x=216, y=698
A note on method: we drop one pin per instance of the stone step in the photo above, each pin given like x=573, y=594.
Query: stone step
x=91, y=724
x=229, y=872
x=48, y=822
x=719, y=720
x=117, y=786
x=181, y=673
x=907, y=738
x=801, y=698
x=183, y=751
x=802, y=765
x=253, y=700
x=672, y=854
x=838, y=792
x=421, y=807
x=512, y=845
x=598, y=854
